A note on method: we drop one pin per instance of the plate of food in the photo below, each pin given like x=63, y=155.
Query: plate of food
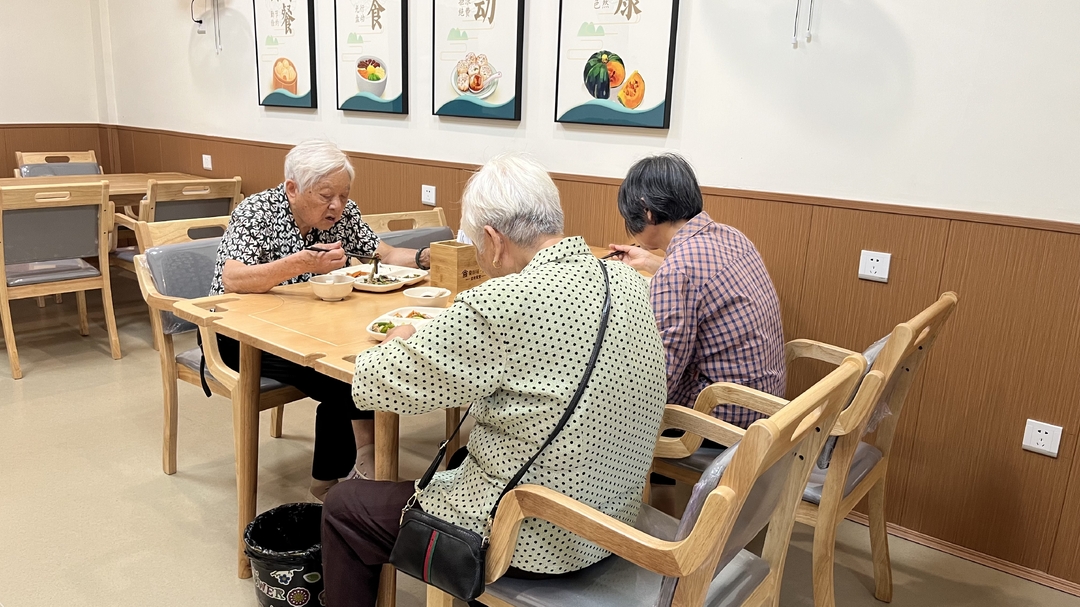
x=389, y=278
x=474, y=76
x=416, y=316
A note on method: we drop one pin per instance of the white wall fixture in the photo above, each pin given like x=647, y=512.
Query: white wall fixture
x=874, y=266
x=1043, y=438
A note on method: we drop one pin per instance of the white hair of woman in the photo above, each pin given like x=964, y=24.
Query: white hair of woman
x=514, y=194
x=314, y=159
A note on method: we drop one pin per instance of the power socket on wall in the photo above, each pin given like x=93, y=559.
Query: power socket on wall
x=1040, y=437
x=427, y=195
x=874, y=266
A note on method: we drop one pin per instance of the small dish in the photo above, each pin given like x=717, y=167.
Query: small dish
x=428, y=296
x=420, y=316
x=331, y=287
x=405, y=277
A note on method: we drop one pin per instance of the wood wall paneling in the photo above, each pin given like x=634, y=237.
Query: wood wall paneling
x=47, y=138
x=1010, y=353
x=146, y=148
x=591, y=210
x=1065, y=558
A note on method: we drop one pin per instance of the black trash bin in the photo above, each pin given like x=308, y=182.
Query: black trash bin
x=285, y=549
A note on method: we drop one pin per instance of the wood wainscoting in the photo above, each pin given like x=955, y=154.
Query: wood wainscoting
x=1010, y=352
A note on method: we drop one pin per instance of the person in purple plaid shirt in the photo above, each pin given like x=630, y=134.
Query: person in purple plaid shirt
x=715, y=305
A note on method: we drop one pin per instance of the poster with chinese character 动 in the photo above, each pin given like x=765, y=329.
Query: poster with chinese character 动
x=477, y=58
x=285, y=52
x=372, y=55
x=616, y=62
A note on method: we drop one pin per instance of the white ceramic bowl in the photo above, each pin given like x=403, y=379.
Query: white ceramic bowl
x=375, y=87
x=331, y=287
x=433, y=297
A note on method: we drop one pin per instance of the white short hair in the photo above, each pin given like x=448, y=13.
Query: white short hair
x=313, y=160
x=515, y=195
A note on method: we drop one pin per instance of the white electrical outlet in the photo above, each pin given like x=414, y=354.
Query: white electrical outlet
x=427, y=195
x=207, y=162
x=1040, y=437
x=874, y=266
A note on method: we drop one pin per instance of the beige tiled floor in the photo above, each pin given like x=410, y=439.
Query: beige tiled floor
x=88, y=518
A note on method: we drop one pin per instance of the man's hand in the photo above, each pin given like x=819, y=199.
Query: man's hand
x=637, y=258
x=321, y=262
x=402, y=331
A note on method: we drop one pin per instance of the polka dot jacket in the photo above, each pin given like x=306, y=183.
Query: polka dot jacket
x=517, y=347
x=262, y=229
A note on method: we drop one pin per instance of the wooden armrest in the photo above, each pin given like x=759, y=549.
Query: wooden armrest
x=697, y=425
x=153, y=298
x=727, y=393
x=127, y=222
x=808, y=348
x=221, y=372
x=664, y=557
x=855, y=417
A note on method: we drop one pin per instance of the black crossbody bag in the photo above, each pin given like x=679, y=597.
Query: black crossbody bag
x=452, y=558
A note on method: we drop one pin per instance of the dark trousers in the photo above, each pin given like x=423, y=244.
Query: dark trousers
x=335, y=445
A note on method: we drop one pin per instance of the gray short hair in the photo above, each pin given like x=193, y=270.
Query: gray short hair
x=314, y=159
x=515, y=195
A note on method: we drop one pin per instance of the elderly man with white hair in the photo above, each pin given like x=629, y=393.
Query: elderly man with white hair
x=268, y=244
x=515, y=347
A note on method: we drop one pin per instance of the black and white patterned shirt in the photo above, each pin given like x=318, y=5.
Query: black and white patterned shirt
x=262, y=230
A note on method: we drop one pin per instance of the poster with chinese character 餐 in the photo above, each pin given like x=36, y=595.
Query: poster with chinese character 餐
x=372, y=55
x=477, y=58
x=285, y=52
x=616, y=62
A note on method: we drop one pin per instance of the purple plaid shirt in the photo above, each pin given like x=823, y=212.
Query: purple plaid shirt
x=719, y=316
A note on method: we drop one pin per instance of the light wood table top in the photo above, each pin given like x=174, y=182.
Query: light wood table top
x=119, y=183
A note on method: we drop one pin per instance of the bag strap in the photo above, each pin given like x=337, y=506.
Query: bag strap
x=424, y=480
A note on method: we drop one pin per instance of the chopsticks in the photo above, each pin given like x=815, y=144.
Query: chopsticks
x=374, y=259
x=613, y=254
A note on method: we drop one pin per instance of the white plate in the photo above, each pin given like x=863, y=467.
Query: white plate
x=410, y=276
x=481, y=94
x=393, y=316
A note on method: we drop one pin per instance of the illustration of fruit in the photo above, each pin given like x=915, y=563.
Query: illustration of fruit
x=598, y=81
x=616, y=72
x=633, y=91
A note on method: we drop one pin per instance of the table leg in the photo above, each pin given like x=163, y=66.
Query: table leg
x=245, y=400
x=386, y=469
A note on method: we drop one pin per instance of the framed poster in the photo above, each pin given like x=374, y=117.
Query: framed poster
x=477, y=58
x=616, y=62
x=371, y=38
x=285, y=52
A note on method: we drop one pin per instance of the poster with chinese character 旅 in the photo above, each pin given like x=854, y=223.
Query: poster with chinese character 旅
x=477, y=58
x=616, y=62
x=285, y=52
x=372, y=55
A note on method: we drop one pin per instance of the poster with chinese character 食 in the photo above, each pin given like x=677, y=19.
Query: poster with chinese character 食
x=477, y=58
x=285, y=52
x=372, y=55
x=616, y=62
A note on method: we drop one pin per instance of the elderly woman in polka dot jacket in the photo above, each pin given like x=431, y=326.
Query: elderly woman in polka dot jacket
x=516, y=348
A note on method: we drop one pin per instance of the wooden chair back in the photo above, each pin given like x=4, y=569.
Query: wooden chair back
x=189, y=199
x=49, y=223
x=32, y=164
x=160, y=233
x=24, y=158
x=409, y=220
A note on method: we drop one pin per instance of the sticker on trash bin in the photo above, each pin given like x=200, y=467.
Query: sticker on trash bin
x=284, y=577
x=312, y=577
x=298, y=597
x=270, y=591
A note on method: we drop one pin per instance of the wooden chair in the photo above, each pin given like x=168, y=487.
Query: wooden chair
x=409, y=220
x=856, y=468
x=45, y=231
x=699, y=560
x=176, y=266
x=42, y=164
x=176, y=200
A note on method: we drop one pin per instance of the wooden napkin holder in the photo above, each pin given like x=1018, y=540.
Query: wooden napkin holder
x=454, y=266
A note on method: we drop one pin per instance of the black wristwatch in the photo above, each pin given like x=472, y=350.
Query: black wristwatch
x=420, y=252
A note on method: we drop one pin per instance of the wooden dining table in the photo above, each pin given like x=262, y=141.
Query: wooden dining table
x=291, y=322
x=120, y=184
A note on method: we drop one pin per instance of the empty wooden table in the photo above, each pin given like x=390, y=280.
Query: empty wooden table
x=120, y=184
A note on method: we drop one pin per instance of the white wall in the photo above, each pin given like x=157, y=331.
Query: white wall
x=966, y=104
x=49, y=62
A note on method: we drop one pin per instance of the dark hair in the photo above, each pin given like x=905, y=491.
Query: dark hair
x=665, y=185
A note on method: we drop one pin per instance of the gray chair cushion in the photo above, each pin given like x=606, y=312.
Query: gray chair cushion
x=126, y=253
x=49, y=234
x=48, y=169
x=22, y=274
x=191, y=358
x=870, y=355
x=866, y=457
x=183, y=270
x=416, y=238
x=172, y=210
x=698, y=460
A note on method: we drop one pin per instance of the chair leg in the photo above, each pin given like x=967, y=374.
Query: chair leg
x=9, y=339
x=879, y=543
x=59, y=298
x=824, y=549
x=171, y=407
x=84, y=324
x=155, y=326
x=438, y=598
x=41, y=302
x=277, y=415
x=110, y=319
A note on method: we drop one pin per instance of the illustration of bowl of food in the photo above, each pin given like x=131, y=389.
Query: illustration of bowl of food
x=284, y=75
x=474, y=76
x=371, y=75
x=605, y=72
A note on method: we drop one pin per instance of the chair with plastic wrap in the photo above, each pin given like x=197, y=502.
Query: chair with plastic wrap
x=48, y=164
x=176, y=200
x=45, y=232
x=175, y=267
x=700, y=559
